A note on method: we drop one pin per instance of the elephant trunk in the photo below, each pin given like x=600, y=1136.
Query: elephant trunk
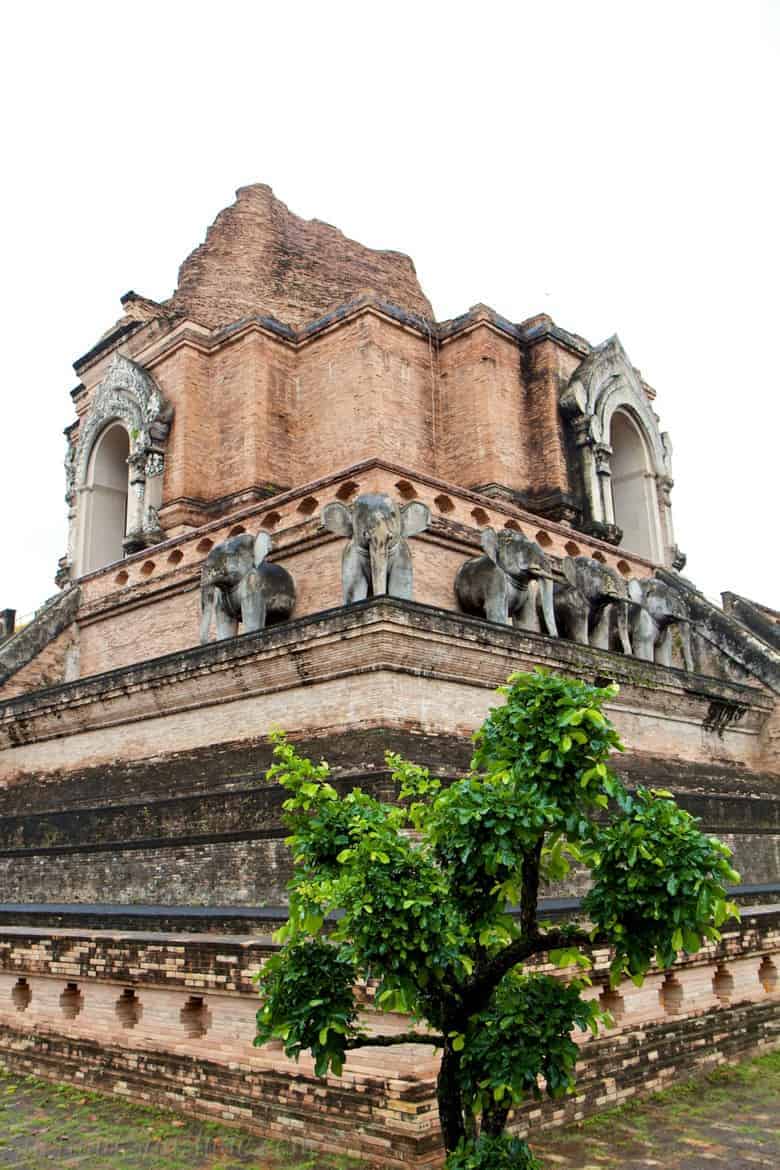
x=621, y=610
x=685, y=638
x=207, y=600
x=548, y=609
x=379, y=551
x=379, y=562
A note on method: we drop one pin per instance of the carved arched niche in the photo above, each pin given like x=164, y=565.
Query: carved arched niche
x=104, y=498
x=114, y=469
x=624, y=460
x=632, y=480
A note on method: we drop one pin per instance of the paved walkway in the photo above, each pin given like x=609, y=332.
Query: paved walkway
x=728, y=1119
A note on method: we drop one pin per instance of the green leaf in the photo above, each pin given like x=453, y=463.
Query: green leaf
x=595, y=717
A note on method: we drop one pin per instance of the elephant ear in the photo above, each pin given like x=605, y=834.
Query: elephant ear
x=263, y=545
x=635, y=591
x=569, y=569
x=415, y=517
x=489, y=542
x=337, y=517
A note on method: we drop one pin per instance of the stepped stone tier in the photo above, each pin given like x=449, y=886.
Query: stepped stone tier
x=274, y=481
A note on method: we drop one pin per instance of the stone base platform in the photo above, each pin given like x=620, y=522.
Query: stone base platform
x=147, y=783
x=168, y=1019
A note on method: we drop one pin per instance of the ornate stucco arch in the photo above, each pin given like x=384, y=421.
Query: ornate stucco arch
x=603, y=385
x=128, y=395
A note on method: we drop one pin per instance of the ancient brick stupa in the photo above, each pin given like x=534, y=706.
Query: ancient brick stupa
x=274, y=479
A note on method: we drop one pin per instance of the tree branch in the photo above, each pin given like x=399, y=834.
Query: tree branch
x=486, y=978
x=401, y=1038
x=529, y=891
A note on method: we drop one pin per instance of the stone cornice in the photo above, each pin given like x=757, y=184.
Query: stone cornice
x=171, y=334
x=111, y=340
x=381, y=634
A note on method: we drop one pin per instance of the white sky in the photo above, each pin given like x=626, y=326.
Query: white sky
x=614, y=165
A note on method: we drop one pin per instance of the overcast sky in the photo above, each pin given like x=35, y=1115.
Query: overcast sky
x=613, y=165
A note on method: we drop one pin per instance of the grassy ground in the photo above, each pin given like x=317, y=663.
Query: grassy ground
x=728, y=1119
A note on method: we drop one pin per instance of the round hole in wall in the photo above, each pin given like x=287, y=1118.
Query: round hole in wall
x=480, y=516
x=147, y=568
x=238, y=530
x=671, y=995
x=128, y=1008
x=176, y=557
x=406, y=490
x=21, y=995
x=444, y=504
x=723, y=984
x=121, y=577
x=71, y=1001
x=270, y=520
x=543, y=538
x=599, y=556
x=767, y=975
x=624, y=568
x=195, y=1017
x=572, y=548
x=308, y=506
x=612, y=1001
x=347, y=490
x=205, y=545
x=513, y=526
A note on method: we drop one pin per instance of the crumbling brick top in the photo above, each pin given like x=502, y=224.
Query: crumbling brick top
x=260, y=258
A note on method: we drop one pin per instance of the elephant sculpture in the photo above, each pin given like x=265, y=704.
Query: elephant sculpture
x=377, y=559
x=511, y=584
x=657, y=608
x=592, y=604
x=237, y=583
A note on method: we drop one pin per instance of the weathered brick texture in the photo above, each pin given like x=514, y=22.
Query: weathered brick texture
x=260, y=258
x=116, y=1011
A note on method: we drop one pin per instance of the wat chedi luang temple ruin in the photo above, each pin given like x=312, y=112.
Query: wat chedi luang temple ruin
x=296, y=499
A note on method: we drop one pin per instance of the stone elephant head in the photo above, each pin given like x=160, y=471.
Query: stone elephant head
x=593, y=599
x=512, y=582
x=658, y=608
x=377, y=559
x=238, y=584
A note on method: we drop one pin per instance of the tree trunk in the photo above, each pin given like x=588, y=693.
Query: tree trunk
x=449, y=1099
x=494, y=1119
x=529, y=891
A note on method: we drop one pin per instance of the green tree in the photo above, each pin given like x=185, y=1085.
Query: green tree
x=424, y=889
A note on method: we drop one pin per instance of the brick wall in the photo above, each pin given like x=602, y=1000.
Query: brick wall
x=302, y=675
x=206, y=873
x=260, y=404
x=169, y=1019
x=481, y=426
x=149, y=605
x=546, y=368
x=49, y=667
x=224, y=845
x=258, y=257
